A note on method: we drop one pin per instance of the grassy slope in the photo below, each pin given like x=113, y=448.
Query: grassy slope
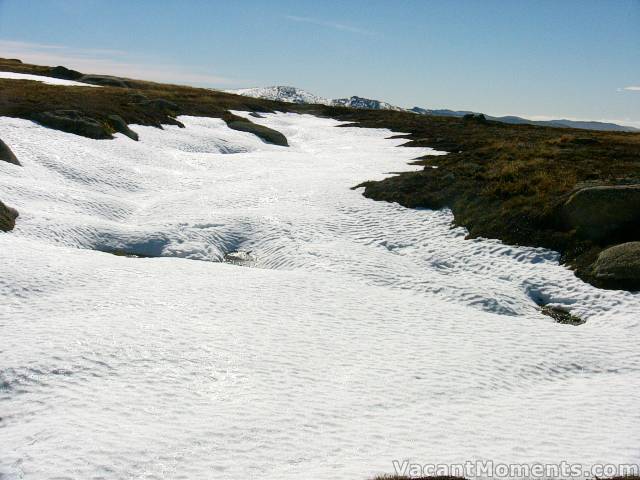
x=24, y=99
x=506, y=181
x=501, y=181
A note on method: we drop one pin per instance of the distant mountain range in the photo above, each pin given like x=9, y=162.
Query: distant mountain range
x=282, y=94
x=297, y=95
x=364, y=103
x=585, y=125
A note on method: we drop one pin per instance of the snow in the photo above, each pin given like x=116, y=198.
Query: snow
x=282, y=94
x=366, y=103
x=298, y=95
x=43, y=79
x=362, y=332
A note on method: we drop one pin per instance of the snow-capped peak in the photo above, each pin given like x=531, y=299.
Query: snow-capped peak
x=282, y=94
x=297, y=95
x=365, y=103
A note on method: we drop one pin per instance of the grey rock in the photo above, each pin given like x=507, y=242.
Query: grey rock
x=7, y=155
x=619, y=266
x=604, y=212
x=64, y=73
x=119, y=125
x=73, y=121
x=8, y=217
x=266, y=134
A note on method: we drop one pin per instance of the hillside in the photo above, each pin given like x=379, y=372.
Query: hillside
x=509, y=182
x=194, y=281
x=514, y=182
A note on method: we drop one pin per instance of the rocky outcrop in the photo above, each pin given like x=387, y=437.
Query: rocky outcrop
x=266, y=134
x=8, y=217
x=604, y=213
x=6, y=155
x=619, y=266
x=64, y=73
x=119, y=125
x=105, y=81
x=73, y=121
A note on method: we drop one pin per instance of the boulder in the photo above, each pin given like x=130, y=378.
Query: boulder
x=73, y=121
x=619, y=266
x=64, y=73
x=119, y=125
x=105, y=81
x=266, y=134
x=173, y=121
x=8, y=217
x=6, y=155
x=604, y=213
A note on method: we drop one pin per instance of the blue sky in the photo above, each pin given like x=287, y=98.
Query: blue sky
x=576, y=59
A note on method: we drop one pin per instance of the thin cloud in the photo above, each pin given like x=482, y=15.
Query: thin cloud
x=14, y=45
x=328, y=24
x=106, y=61
x=632, y=88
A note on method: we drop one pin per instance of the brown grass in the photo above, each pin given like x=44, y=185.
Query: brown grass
x=507, y=181
x=501, y=181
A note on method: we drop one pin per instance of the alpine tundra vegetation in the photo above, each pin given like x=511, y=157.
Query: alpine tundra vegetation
x=522, y=184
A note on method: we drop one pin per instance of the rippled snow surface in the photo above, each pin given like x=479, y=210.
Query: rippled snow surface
x=361, y=332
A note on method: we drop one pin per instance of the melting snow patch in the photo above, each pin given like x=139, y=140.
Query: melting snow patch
x=43, y=79
x=370, y=333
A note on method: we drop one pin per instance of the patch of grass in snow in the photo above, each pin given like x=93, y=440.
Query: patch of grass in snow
x=561, y=316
